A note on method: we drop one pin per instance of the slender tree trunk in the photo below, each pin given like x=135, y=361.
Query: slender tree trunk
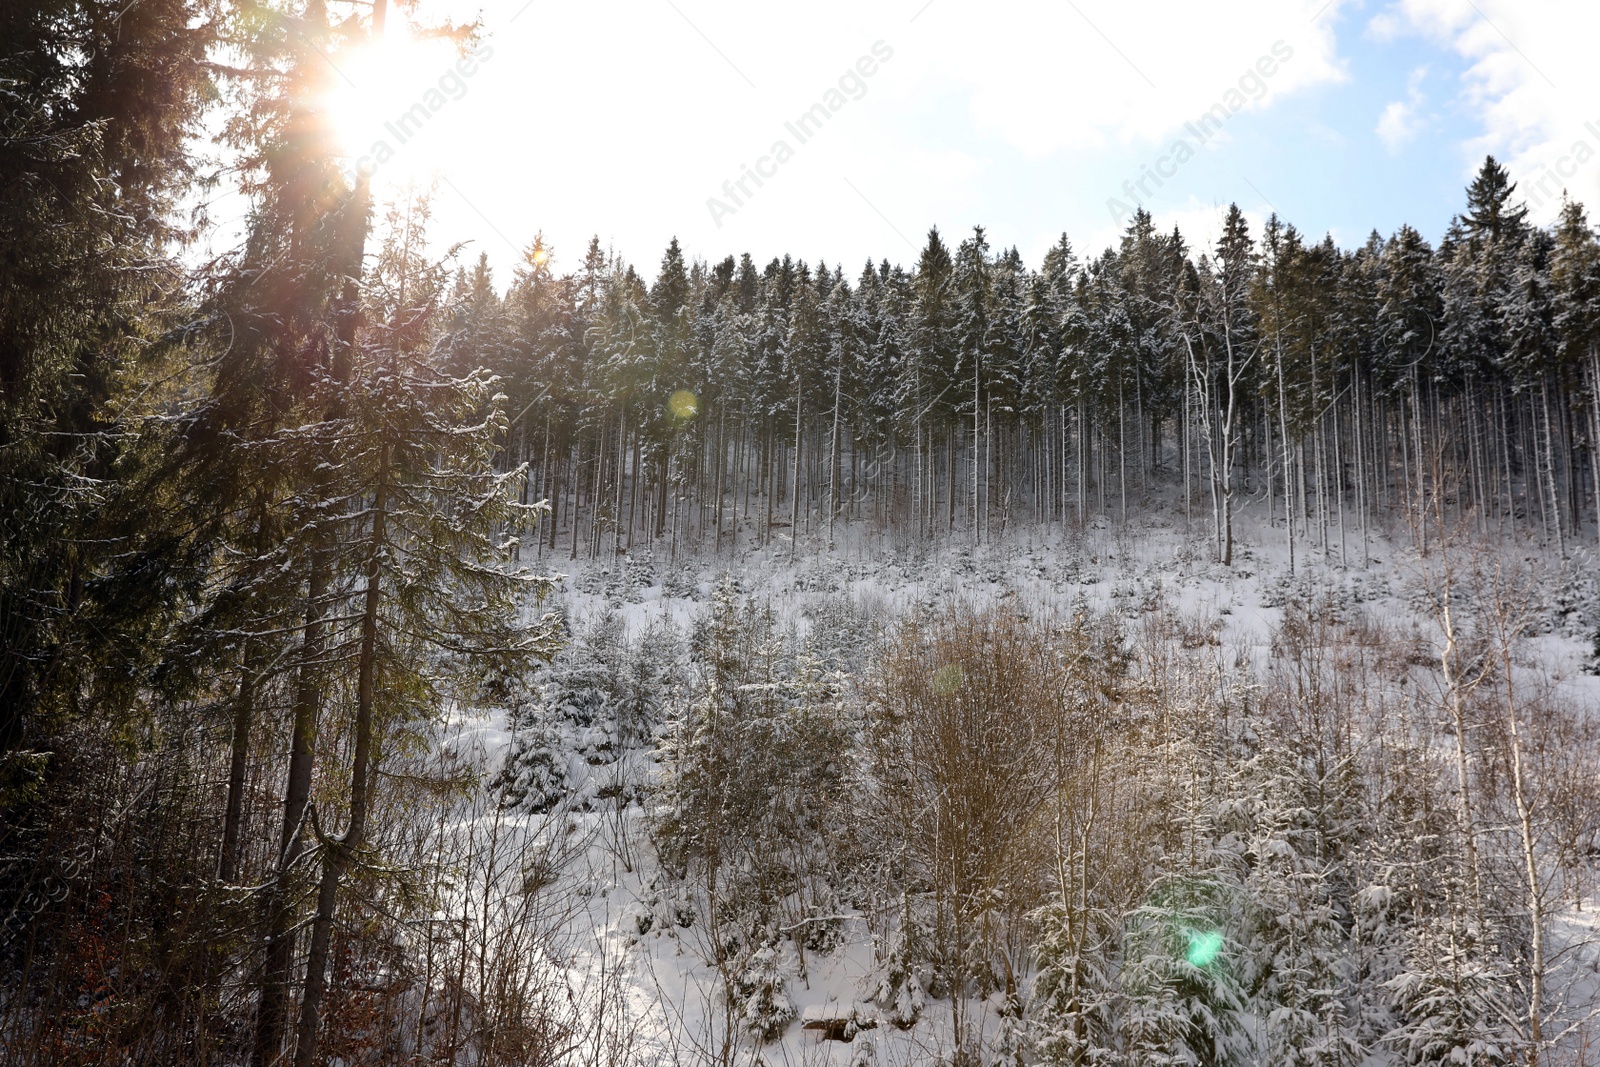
x=770, y=482
x=977, y=445
x=1360, y=460
x=272, y=1013
x=620, y=474
x=1083, y=463
x=1122, y=452
x=243, y=718
x=1594, y=433
x=336, y=856
x=950, y=494
x=1530, y=862
x=546, y=488
x=1288, y=458
x=833, y=454
x=1338, y=484
x=634, y=491
x=1549, y=467
x=577, y=491
x=1455, y=688
x=598, y=495
x=794, y=499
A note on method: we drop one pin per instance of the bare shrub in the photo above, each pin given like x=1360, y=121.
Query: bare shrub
x=964, y=716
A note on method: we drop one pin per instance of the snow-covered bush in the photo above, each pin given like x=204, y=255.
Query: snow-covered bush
x=897, y=984
x=843, y=631
x=754, y=799
x=761, y=992
x=1074, y=987
x=1181, y=1000
x=1454, y=1004
x=602, y=698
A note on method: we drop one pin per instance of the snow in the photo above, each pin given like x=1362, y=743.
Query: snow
x=631, y=939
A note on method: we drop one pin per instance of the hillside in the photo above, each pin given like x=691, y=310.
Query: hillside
x=1254, y=656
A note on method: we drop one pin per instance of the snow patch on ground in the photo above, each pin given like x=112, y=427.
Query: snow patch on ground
x=631, y=943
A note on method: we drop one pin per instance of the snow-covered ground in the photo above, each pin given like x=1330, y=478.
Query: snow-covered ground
x=629, y=951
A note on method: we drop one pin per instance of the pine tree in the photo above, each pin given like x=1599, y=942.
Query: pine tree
x=1575, y=284
x=99, y=111
x=1180, y=998
x=419, y=555
x=1490, y=212
x=755, y=802
x=1220, y=342
x=1290, y=811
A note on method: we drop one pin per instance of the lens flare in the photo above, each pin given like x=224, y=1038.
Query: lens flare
x=1204, y=946
x=683, y=404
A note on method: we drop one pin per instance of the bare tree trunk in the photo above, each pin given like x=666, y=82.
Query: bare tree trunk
x=597, y=499
x=620, y=474
x=794, y=500
x=243, y=718
x=977, y=445
x=547, y=487
x=1338, y=482
x=833, y=455
x=635, y=493
x=1358, y=443
x=1421, y=496
x=1288, y=458
x=1594, y=432
x=272, y=1013
x=1549, y=467
x=950, y=479
x=1456, y=689
x=1122, y=452
x=775, y=476
x=1083, y=462
x=577, y=491
x=336, y=857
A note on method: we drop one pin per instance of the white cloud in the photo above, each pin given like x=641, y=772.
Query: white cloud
x=1401, y=120
x=1048, y=78
x=1532, y=81
x=626, y=118
x=1397, y=125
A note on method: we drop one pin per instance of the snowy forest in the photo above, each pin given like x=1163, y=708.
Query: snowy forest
x=1171, y=653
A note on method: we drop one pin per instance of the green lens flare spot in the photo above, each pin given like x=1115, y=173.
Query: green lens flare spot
x=683, y=404
x=1204, y=946
x=947, y=679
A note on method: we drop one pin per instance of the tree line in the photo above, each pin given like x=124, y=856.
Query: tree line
x=970, y=392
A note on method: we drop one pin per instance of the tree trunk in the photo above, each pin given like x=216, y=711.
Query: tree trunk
x=833, y=455
x=272, y=1013
x=794, y=498
x=336, y=857
x=1549, y=467
x=243, y=718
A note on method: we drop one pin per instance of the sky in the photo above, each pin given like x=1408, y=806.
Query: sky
x=636, y=121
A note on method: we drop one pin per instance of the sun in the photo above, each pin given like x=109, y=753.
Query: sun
x=390, y=101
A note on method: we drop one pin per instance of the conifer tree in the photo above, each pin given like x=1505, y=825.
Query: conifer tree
x=419, y=553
